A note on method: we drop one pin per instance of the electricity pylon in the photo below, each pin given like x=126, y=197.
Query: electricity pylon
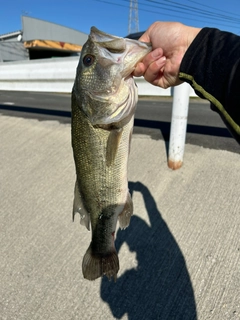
x=133, y=24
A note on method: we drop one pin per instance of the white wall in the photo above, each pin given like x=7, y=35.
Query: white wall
x=56, y=75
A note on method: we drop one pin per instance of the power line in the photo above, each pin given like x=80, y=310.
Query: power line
x=178, y=8
x=198, y=11
x=216, y=9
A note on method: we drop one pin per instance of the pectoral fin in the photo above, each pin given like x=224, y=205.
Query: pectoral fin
x=113, y=142
x=79, y=207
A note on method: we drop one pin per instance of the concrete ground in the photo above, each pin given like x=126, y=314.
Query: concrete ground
x=179, y=258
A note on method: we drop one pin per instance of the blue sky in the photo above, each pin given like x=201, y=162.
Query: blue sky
x=112, y=15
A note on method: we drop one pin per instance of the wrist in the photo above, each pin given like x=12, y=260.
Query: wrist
x=191, y=35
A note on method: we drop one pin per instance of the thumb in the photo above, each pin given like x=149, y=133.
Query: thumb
x=144, y=38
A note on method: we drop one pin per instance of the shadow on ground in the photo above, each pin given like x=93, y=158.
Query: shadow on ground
x=164, y=126
x=202, y=135
x=191, y=128
x=160, y=286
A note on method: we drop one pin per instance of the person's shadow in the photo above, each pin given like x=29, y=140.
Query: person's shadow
x=160, y=286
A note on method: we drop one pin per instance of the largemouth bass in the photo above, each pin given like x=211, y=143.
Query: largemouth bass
x=104, y=98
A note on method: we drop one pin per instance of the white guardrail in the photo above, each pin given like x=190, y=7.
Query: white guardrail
x=46, y=75
x=57, y=75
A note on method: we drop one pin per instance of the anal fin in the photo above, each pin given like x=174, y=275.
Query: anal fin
x=78, y=207
x=125, y=216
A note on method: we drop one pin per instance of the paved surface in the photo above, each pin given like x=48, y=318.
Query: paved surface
x=153, y=116
x=180, y=257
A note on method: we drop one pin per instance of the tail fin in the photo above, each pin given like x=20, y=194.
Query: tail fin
x=95, y=266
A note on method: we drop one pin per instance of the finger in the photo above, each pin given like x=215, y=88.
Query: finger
x=139, y=70
x=142, y=66
x=144, y=37
x=154, y=70
x=152, y=56
x=155, y=55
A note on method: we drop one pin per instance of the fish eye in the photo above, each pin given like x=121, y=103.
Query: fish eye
x=88, y=60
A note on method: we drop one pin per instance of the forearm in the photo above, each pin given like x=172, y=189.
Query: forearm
x=212, y=67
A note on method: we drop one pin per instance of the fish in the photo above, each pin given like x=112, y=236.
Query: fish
x=103, y=103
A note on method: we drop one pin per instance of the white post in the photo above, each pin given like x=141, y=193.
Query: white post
x=178, y=125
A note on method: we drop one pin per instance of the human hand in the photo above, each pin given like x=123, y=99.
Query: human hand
x=170, y=41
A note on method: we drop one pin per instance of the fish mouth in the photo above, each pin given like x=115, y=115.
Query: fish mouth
x=122, y=53
x=125, y=51
x=106, y=38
